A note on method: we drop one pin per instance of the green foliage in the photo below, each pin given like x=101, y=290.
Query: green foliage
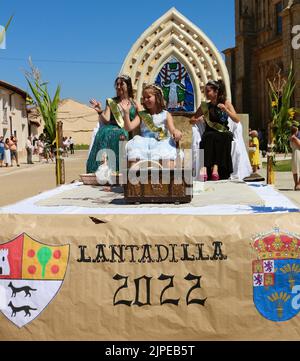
x=281, y=92
x=81, y=146
x=47, y=107
x=8, y=23
x=2, y=33
x=281, y=166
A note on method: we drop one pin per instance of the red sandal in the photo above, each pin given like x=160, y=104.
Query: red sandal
x=215, y=177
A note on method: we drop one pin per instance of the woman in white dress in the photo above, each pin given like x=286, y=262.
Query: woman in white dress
x=7, y=156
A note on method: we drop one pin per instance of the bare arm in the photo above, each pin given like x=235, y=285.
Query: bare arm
x=295, y=140
x=130, y=125
x=104, y=115
x=229, y=109
x=198, y=117
x=176, y=134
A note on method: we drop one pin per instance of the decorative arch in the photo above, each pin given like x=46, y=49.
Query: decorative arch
x=174, y=36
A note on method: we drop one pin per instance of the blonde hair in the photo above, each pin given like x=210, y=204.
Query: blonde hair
x=254, y=133
x=159, y=96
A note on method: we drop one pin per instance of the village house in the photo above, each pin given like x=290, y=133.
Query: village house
x=13, y=114
x=79, y=121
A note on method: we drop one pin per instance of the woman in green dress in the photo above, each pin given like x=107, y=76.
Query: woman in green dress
x=111, y=129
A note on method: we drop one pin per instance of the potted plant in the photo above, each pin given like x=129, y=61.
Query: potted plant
x=283, y=116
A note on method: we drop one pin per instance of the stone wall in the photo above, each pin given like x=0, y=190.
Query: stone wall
x=259, y=53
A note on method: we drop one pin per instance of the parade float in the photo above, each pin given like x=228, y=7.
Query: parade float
x=78, y=262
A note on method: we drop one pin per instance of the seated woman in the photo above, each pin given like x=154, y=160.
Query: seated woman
x=158, y=133
x=217, y=138
x=111, y=129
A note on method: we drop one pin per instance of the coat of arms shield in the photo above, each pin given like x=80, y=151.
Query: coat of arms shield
x=276, y=275
x=31, y=274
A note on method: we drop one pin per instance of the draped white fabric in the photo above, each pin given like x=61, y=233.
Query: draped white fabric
x=93, y=138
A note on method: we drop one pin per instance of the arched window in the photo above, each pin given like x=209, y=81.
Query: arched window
x=177, y=86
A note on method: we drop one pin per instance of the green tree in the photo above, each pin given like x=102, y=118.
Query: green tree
x=41, y=98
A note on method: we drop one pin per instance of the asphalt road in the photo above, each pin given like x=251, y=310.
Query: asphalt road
x=17, y=183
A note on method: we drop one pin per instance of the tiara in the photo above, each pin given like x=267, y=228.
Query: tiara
x=126, y=77
x=157, y=87
x=213, y=83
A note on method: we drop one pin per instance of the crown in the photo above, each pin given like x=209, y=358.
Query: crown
x=156, y=86
x=277, y=245
x=124, y=76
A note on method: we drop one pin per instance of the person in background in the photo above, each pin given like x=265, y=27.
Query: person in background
x=7, y=154
x=29, y=150
x=48, y=151
x=65, y=146
x=71, y=144
x=295, y=145
x=34, y=143
x=1, y=151
x=254, y=151
x=13, y=144
x=40, y=148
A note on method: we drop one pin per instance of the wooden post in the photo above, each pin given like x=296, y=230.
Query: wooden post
x=270, y=157
x=60, y=164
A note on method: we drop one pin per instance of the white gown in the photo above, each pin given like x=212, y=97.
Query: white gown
x=7, y=157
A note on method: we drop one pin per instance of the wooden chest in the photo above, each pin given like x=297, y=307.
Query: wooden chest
x=159, y=186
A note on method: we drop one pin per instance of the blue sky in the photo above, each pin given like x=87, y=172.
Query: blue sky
x=84, y=43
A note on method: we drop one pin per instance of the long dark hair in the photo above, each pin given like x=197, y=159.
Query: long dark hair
x=218, y=86
x=127, y=80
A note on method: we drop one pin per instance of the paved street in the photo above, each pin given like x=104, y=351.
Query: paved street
x=29, y=180
x=285, y=184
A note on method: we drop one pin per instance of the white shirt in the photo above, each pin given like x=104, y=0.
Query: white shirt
x=29, y=144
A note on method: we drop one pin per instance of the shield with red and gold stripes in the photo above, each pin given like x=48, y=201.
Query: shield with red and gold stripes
x=31, y=275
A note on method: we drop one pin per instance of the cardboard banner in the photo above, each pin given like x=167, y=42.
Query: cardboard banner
x=75, y=277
